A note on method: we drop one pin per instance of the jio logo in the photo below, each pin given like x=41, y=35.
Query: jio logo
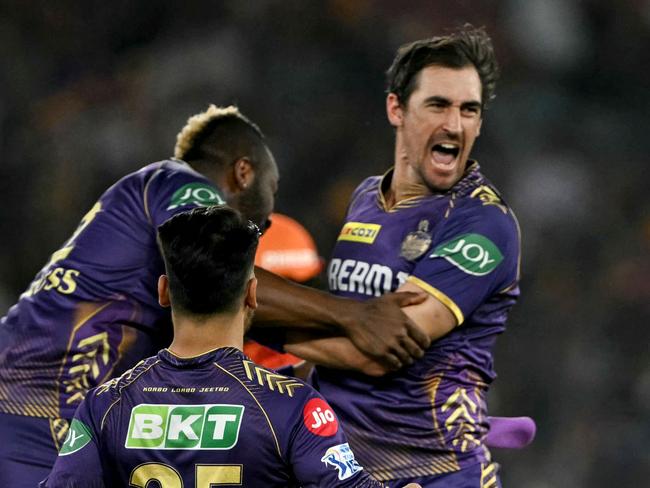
x=319, y=418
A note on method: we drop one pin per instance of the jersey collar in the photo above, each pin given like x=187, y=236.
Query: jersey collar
x=172, y=359
x=469, y=181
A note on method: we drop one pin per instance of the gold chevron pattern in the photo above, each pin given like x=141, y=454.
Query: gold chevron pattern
x=461, y=420
x=274, y=381
x=489, y=476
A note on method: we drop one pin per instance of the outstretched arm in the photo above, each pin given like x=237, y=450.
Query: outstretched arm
x=430, y=315
x=333, y=352
x=378, y=327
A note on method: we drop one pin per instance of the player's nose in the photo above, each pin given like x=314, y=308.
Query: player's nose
x=451, y=122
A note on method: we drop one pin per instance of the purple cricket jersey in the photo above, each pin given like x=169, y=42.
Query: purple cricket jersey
x=462, y=247
x=214, y=419
x=92, y=311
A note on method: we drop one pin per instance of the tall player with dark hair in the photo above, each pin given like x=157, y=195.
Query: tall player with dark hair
x=92, y=310
x=433, y=223
x=200, y=413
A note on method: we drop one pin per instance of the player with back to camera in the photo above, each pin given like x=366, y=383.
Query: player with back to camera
x=200, y=413
x=432, y=223
x=92, y=310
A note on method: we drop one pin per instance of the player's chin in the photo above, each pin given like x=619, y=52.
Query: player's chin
x=442, y=178
x=442, y=182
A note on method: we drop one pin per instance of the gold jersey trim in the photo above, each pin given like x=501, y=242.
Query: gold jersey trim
x=448, y=302
x=130, y=380
x=268, y=420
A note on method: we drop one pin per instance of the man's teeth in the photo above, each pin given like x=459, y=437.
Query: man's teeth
x=447, y=148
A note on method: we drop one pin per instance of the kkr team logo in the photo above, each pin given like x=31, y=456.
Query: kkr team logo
x=472, y=253
x=200, y=194
x=78, y=436
x=359, y=232
x=341, y=457
x=416, y=243
x=184, y=426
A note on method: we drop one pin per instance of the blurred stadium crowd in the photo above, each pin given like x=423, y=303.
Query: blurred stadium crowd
x=92, y=90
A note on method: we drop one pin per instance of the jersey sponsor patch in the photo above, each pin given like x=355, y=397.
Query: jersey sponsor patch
x=319, y=418
x=359, y=232
x=341, y=457
x=361, y=277
x=78, y=436
x=214, y=426
x=472, y=253
x=200, y=194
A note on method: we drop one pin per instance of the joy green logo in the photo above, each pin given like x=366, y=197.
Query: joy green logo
x=184, y=426
x=473, y=253
x=78, y=436
x=200, y=194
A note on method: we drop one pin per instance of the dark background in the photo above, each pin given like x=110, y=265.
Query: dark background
x=93, y=90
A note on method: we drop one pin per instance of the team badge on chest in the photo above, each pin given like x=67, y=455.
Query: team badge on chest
x=416, y=243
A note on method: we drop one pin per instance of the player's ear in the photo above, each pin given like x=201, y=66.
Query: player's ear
x=243, y=173
x=394, y=110
x=163, y=291
x=250, y=300
x=478, y=129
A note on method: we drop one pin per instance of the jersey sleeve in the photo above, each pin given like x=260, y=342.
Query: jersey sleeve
x=319, y=451
x=364, y=186
x=475, y=254
x=79, y=461
x=170, y=191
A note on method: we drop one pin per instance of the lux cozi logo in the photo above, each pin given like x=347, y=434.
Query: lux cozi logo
x=359, y=232
x=184, y=426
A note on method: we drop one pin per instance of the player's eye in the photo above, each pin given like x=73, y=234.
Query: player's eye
x=471, y=110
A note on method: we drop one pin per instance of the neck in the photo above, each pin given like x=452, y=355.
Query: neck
x=405, y=183
x=193, y=337
x=403, y=186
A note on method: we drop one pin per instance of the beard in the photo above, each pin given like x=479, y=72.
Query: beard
x=251, y=204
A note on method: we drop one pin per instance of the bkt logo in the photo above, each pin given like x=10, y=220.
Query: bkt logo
x=341, y=457
x=184, y=426
x=359, y=232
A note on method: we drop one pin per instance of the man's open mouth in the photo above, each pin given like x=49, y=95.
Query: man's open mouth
x=445, y=152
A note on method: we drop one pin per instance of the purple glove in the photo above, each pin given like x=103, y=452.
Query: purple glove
x=510, y=432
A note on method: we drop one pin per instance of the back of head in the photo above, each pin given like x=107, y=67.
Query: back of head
x=220, y=136
x=466, y=47
x=208, y=254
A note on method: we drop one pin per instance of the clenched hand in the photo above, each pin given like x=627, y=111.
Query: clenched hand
x=379, y=328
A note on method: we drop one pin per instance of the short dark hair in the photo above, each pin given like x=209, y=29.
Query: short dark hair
x=468, y=46
x=208, y=254
x=220, y=135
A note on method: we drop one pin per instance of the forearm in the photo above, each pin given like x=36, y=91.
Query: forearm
x=287, y=304
x=333, y=352
x=377, y=326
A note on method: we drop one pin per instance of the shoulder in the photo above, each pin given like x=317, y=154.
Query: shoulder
x=479, y=202
x=263, y=382
x=172, y=186
x=110, y=392
x=278, y=394
x=172, y=171
x=369, y=185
